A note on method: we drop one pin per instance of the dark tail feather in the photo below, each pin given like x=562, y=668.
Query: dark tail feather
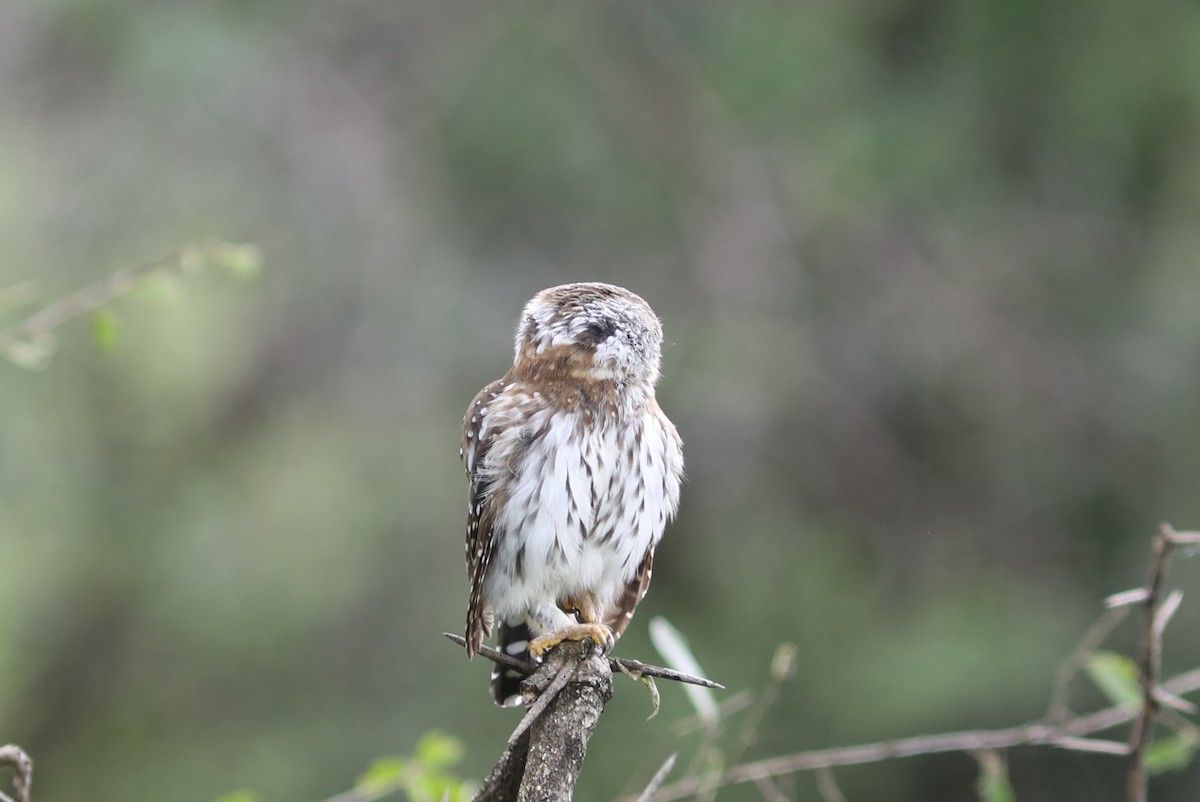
x=506, y=682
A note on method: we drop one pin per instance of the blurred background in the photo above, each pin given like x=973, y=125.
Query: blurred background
x=928, y=274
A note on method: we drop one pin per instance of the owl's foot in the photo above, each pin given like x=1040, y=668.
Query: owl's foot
x=584, y=607
x=599, y=634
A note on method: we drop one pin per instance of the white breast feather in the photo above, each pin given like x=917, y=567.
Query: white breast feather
x=550, y=507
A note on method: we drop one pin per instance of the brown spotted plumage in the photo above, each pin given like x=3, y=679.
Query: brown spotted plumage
x=574, y=471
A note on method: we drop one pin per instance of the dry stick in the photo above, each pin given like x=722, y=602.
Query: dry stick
x=544, y=755
x=81, y=302
x=14, y=756
x=558, y=739
x=1154, y=620
x=1061, y=734
x=39, y=325
x=783, y=666
x=561, y=677
x=1097, y=633
x=659, y=778
x=624, y=664
x=828, y=786
x=769, y=790
x=504, y=780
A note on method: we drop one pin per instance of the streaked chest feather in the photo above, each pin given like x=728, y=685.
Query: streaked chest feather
x=579, y=501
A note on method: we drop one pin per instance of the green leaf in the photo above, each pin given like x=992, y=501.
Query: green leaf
x=240, y=261
x=104, y=329
x=239, y=796
x=1117, y=678
x=162, y=287
x=993, y=784
x=436, y=750
x=674, y=649
x=1170, y=754
x=384, y=774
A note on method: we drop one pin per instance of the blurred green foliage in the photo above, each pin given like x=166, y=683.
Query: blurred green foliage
x=928, y=273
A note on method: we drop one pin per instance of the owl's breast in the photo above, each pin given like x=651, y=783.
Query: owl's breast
x=581, y=502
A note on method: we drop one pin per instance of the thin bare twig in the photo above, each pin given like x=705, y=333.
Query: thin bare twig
x=783, y=666
x=827, y=785
x=36, y=330
x=1155, y=615
x=1036, y=733
x=39, y=325
x=1097, y=633
x=561, y=678
x=1097, y=745
x=769, y=790
x=22, y=766
x=658, y=779
x=622, y=664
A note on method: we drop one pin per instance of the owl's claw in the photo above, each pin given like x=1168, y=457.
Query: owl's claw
x=599, y=634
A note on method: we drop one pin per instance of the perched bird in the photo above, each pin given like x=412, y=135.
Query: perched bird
x=574, y=471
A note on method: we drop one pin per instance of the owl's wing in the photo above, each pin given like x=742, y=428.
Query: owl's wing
x=481, y=518
x=620, y=614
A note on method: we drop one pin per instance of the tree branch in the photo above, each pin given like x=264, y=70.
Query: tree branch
x=544, y=755
x=1155, y=615
x=1064, y=734
x=33, y=335
x=635, y=668
x=15, y=757
x=565, y=696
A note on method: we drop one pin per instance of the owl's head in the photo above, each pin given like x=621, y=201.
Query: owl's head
x=596, y=331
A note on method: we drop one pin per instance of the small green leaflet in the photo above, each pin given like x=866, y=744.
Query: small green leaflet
x=1170, y=754
x=104, y=329
x=1117, y=678
x=993, y=784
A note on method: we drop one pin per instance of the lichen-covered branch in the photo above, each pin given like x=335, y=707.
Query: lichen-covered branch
x=544, y=756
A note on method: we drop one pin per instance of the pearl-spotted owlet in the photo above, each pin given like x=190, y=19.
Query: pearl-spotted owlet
x=574, y=471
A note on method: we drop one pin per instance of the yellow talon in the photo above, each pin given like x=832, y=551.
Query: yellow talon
x=599, y=634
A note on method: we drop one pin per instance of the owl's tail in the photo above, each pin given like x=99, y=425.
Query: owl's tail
x=506, y=682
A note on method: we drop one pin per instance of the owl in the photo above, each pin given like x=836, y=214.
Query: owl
x=573, y=472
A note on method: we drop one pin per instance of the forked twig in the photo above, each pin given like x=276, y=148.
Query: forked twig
x=1059, y=734
x=1156, y=613
x=1059, y=729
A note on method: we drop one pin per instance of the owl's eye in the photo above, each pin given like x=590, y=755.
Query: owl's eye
x=601, y=330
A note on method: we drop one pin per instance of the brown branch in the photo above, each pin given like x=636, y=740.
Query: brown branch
x=658, y=779
x=39, y=325
x=1061, y=734
x=827, y=785
x=22, y=766
x=625, y=665
x=1097, y=633
x=565, y=696
x=1155, y=615
x=545, y=754
x=35, y=331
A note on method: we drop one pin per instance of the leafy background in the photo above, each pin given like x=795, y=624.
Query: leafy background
x=928, y=275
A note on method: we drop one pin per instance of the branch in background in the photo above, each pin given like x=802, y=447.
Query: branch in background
x=15, y=757
x=1060, y=728
x=1064, y=734
x=1155, y=615
x=30, y=340
x=1092, y=639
